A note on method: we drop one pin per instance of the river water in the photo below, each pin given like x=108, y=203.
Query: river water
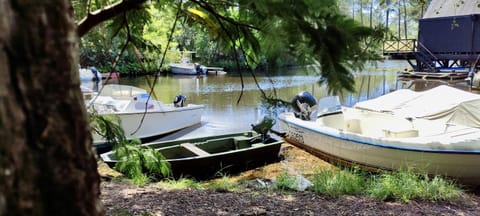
x=220, y=94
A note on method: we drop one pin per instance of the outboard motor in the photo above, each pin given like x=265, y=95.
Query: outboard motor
x=96, y=75
x=179, y=100
x=263, y=127
x=197, y=67
x=303, y=105
x=200, y=68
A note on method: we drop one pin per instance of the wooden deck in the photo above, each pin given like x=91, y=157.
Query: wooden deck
x=433, y=75
x=215, y=71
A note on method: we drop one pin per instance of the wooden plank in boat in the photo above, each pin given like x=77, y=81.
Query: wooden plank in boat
x=195, y=149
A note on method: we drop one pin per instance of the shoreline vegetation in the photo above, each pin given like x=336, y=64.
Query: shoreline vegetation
x=280, y=185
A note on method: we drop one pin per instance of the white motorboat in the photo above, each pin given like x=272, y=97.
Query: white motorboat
x=186, y=67
x=89, y=74
x=436, y=131
x=141, y=116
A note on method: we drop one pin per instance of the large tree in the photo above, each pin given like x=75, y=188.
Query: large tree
x=47, y=166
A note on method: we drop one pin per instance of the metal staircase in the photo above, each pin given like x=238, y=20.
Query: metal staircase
x=426, y=60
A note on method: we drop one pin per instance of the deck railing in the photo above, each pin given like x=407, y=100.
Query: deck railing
x=399, y=46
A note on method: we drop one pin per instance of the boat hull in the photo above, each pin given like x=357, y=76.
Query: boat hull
x=223, y=154
x=186, y=69
x=222, y=164
x=372, y=154
x=153, y=124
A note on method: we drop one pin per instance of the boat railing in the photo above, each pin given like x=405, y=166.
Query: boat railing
x=399, y=46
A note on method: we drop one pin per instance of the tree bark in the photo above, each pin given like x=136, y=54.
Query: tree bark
x=99, y=16
x=47, y=166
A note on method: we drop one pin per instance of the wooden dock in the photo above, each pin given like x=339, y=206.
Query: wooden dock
x=433, y=75
x=215, y=70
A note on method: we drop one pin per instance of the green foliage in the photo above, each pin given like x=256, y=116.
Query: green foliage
x=139, y=162
x=223, y=184
x=108, y=127
x=338, y=182
x=181, y=183
x=247, y=33
x=408, y=185
x=285, y=181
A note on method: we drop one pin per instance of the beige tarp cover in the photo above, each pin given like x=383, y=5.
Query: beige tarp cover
x=444, y=103
x=116, y=90
x=445, y=8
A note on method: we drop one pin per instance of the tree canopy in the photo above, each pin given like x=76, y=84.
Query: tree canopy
x=47, y=164
x=249, y=32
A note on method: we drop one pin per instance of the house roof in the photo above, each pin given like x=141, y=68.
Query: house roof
x=445, y=8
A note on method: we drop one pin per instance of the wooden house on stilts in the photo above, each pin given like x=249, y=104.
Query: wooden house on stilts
x=448, y=43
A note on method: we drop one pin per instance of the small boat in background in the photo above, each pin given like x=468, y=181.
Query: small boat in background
x=436, y=131
x=141, y=116
x=206, y=156
x=89, y=74
x=186, y=67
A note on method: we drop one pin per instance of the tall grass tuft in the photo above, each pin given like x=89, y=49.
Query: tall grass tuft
x=408, y=185
x=223, y=184
x=181, y=183
x=285, y=181
x=339, y=181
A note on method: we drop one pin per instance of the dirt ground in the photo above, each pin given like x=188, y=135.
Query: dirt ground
x=126, y=199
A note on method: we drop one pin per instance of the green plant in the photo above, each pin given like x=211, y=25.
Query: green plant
x=285, y=181
x=408, y=185
x=108, y=126
x=337, y=182
x=223, y=184
x=180, y=183
x=139, y=162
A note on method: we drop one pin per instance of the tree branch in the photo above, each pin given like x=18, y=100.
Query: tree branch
x=99, y=16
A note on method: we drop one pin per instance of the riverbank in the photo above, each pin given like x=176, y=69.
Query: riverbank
x=126, y=199
x=121, y=198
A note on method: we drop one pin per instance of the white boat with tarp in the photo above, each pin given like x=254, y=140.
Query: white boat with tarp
x=436, y=131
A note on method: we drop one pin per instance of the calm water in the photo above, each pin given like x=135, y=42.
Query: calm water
x=220, y=94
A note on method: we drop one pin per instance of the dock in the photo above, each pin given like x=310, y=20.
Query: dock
x=441, y=50
x=433, y=75
x=215, y=70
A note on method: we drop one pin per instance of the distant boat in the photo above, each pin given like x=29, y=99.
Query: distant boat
x=90, y=74
x=203, y=157
x=141, y=119
x=186, y=67
x=436, y=131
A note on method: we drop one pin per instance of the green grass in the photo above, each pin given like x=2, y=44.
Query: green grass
x=285, y=182
x=224, y=184
x=386, y=186
x=402, y=185
x=338, y=182
x=178, y=184
x=407, y=185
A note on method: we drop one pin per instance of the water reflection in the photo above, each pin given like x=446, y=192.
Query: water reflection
x=220, y=94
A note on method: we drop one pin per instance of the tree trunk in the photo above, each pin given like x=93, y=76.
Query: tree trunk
x=47, y=166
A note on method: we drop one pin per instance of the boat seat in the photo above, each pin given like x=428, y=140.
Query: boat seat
x=352, y=125
x=241, y=142
x=398, y=133
x=195, y=149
